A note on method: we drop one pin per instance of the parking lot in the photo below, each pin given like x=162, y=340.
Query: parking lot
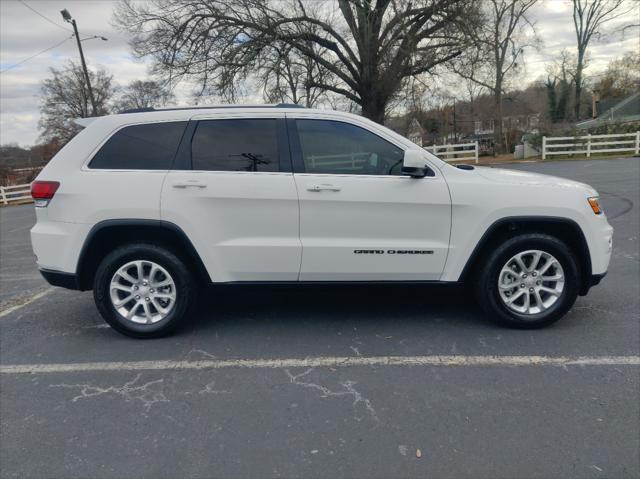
x=327, y=381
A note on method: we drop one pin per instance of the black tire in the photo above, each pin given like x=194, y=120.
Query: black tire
x=488, y=294
x=186, y=290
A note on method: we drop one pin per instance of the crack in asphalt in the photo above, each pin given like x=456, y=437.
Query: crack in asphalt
x=129, y=390
x=349, y=390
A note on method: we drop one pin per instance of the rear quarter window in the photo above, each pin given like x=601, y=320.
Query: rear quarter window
x=140, y=147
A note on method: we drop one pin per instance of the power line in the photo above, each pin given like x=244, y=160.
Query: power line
x=41, y=15
x=39, y=53
x=51, y=21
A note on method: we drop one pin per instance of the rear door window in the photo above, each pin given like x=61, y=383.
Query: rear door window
x=140, y=147
x=236, y=145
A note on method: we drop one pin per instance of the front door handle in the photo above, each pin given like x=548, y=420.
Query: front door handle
x=325, y=186
x=189, y=184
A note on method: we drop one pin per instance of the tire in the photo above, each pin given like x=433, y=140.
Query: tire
x=499, y=284
x=168, y=304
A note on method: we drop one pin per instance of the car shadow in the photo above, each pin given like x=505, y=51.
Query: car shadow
x=227, y=307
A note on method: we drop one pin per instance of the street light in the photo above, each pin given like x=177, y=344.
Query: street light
x=66, y=16
x=104, y=39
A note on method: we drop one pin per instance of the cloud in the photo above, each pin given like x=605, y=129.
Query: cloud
x=24, y=33
x=554, y=26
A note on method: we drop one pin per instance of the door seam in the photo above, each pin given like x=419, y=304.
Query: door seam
x=295, y=183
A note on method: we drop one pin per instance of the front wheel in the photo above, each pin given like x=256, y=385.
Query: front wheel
x=529, y=281
x=143, y=290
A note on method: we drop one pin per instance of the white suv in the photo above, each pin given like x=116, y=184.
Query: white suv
x=146, y=207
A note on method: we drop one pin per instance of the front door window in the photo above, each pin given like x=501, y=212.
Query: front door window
x=340, y=148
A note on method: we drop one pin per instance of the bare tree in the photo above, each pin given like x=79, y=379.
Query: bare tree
x=143, y=94
x=412, y=97
x=65, y=97
x=472, y=91
x=622, y=77
x=368, y=47
x=499, y=45
x=289, y=77
x=560, y=76
x=588, y=18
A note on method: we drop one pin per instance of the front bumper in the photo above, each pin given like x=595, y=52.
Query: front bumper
x=591, y=281
x=600, y=245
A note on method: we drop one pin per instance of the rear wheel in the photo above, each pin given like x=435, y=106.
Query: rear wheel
x=529, y=281
x=143, y=290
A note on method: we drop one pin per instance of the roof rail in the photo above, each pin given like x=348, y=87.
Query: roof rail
x=137, y=110
x=289, y=105
x=213, y=107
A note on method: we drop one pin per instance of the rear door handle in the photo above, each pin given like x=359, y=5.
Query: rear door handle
x=324, y=186
x=189, y=184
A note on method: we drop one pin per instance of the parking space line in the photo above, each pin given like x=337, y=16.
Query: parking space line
x=335, y=362
x=22, y=302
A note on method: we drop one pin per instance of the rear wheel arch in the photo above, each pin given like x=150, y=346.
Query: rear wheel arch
x=565, y=229
x=108, y=235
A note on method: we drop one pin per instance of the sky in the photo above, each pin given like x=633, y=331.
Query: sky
x=24, y=33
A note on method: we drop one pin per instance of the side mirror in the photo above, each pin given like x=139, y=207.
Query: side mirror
x=413, y=164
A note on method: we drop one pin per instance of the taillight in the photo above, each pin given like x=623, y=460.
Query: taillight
x=43, y=191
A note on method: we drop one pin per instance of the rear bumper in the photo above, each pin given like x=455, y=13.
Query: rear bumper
x=59, y=278
x=57, y=244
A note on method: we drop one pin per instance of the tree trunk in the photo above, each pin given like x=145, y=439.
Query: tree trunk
x=374, y=106
x=498, y=137
x=578, y=80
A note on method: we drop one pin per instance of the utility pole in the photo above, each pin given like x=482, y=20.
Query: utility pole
x=455, y=125
x=67, y=18
x=595, y=99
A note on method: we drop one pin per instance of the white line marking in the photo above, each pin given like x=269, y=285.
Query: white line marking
x=347, y=361
x=24, y=302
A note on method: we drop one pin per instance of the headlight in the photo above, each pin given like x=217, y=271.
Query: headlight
x=595, y=205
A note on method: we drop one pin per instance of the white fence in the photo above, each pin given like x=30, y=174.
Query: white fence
x=590, y=144
x=460, y=151
x=15, y=194
x=350, y=161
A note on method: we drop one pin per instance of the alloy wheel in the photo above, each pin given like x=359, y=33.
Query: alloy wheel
x=531, y=282
x=143, y=292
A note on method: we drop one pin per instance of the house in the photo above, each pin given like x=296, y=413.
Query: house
x=625, y=111
x=468, y=121
x=407, y=126
x=524, y=122
x=415, y=132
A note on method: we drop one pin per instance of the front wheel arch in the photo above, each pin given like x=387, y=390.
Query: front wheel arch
x=488, y=287
x=565, y=229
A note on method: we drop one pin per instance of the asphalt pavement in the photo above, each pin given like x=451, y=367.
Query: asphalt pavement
x=327, y=381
